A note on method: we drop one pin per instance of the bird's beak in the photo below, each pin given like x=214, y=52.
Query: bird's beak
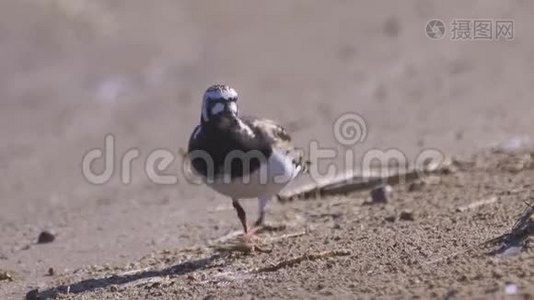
x=228, y=112
x=227, y=119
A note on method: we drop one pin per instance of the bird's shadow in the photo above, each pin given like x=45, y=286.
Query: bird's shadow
x=96, y=283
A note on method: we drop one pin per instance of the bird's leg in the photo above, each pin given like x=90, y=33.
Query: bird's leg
x=241, y=214
x=260, y=222
x=249, y=240
x=262, y=201
x=248, y=237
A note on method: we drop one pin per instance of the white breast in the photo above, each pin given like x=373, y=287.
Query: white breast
x=267, y=180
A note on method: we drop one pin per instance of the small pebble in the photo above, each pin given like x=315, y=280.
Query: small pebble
x=209, y=297
x=450, y=295
x=416, y=186
x=381, y=194
x=497, y=273
x=390, y=219
x=113, y=289
x=51, y=272
x=45, y=237
x=32, y=295
x=191, y=277
x=4, y=275
x=155, y=285
x=510, y=288
x=407, y=215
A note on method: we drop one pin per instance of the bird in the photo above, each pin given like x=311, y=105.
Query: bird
x=241, y=157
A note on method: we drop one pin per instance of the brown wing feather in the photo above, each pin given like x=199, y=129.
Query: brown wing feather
x=279, y=137
x=272, y=130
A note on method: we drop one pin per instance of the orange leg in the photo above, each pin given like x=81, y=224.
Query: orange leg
x=243, y=218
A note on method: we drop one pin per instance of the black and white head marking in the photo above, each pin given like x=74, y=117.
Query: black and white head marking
x=219, y=99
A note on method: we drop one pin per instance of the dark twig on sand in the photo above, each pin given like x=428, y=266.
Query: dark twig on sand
x=356, y=182
x=517, y=236
x=477, y=204
x=299, y=259
x=524, y=221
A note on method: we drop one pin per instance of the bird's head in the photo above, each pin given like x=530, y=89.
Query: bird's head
x=219, y=103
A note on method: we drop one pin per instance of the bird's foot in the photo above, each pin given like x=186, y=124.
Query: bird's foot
x=250, y=242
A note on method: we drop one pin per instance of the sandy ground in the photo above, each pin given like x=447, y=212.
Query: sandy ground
x=72, y=71
x=431, y=240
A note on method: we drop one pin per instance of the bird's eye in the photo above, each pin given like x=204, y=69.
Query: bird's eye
x=217, y=108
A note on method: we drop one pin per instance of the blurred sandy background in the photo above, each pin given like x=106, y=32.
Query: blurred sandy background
x=72, y=71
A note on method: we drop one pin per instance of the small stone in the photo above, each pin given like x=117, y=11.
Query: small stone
x=209, y=297
x=191, y=277
x=416, y=186
x=510, y=288
x=4, y=275
x=381, y=194
x=450, y=295
x=407, y=215
x=51, y=271
x=390, y=219
x=46, y=237
x=33, y=295
x=497, y=273
x=154, y=285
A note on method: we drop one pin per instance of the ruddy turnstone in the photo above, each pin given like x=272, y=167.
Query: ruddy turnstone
x=241, y=157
